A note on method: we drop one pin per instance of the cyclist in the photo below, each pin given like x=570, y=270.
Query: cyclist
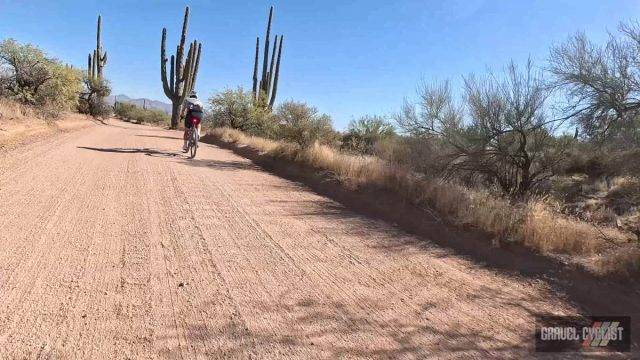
x=192, y=112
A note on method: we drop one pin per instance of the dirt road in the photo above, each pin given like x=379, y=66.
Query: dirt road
x=115, y=245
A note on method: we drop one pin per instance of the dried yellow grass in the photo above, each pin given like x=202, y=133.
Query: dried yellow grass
x=12, y=110
x=550, y=232
x=533, y=224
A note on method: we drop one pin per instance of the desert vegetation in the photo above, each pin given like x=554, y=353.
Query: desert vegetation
x=131, y=112
x=291, y=121
x=30, y=77
x=368, y=135
x=504, y=156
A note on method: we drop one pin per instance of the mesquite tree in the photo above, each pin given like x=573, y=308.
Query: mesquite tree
x=602, y=84
x=264, y=91
x=182, y=75
x=504, y=137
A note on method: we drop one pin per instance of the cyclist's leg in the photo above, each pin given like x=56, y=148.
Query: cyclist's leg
x=187, y=126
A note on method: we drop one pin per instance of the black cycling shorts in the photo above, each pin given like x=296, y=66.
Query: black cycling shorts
x=187, y=122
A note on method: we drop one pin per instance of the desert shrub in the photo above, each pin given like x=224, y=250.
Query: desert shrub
x=262, y=123
x=292, y=121
x=231, y=108
x=61, y=91
x=596, y=161
x=31, y=77
x=153, y=116
x=96, y=107
x=235, y=109
x=303, y=125
x=426, y=156
x=128, y=111
x=93, y=98
x=363, y=134
x=125, y=110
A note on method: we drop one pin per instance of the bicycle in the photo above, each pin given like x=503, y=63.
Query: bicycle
x=192, y=144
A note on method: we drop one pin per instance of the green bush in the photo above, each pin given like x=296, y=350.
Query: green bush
x=124, y=110
x=292, y=121
x=28, y=75
x=302, y=124
x=127, y=111
x=363, y=134
x=235, y=109
x=230, y=108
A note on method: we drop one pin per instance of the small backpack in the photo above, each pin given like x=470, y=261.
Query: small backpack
x=195, y=107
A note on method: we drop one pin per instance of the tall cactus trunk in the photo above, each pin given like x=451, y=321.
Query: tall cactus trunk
x=176, y=108
x=182, y=75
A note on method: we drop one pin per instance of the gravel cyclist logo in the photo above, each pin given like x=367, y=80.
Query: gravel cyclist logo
x=601, y=333
x=598, y=333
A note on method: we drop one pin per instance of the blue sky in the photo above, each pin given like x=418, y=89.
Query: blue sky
x=347, y=58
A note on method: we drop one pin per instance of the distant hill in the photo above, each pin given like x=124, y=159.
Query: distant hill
x=151, y=104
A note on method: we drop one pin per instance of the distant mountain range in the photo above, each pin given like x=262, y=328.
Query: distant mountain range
x=151, y=104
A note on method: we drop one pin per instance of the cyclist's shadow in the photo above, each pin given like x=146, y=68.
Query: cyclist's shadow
x=146, y=151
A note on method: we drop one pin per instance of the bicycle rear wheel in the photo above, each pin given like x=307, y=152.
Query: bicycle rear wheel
x=194, y=143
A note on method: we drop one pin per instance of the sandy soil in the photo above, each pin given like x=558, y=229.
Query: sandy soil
x=115, y=245
x=15, y=132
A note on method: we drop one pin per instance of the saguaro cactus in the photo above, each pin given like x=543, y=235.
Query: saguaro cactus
x=264, y=91
x=98, y=59
x=182, y=75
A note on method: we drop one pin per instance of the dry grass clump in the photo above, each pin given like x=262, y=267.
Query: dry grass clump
x=236, y=136
x=534, y=224
x=627, y=187
x=550, y=232
x=13, y=110
x=351, y=170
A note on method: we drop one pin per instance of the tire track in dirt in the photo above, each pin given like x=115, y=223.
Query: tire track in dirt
x=317, y=261
x=324, y=275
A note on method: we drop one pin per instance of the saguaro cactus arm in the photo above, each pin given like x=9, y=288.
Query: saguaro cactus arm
x=274, y=90
x=196, y=67
x=89, y=66
x=255, y=70
x=172, y=75
x=168, y=90
x=265, y=60
x=273, y=58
